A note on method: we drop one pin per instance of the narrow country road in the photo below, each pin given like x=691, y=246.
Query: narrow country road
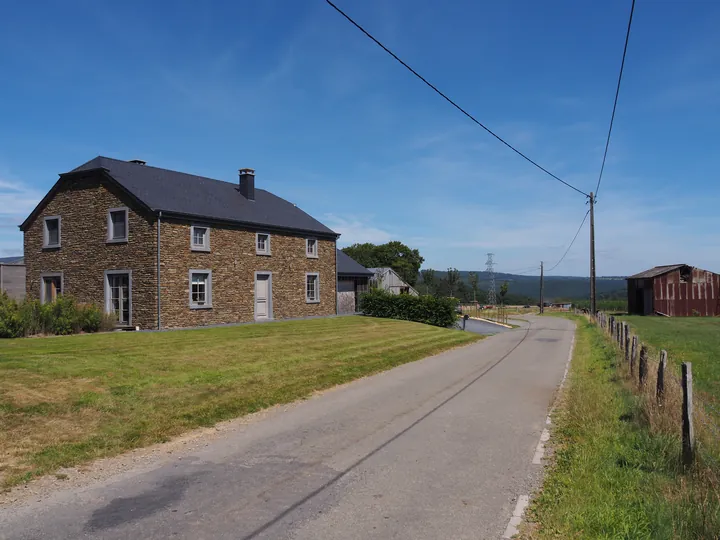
x=436, y=449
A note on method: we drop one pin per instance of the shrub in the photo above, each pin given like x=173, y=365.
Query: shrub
x=36, y=317
x=425, y=309
x=62, y=317
x=90, y=317
x=11, y=323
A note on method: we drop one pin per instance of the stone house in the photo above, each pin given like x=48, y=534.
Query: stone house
x=165, y=249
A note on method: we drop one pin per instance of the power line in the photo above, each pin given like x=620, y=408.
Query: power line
x=458, y=107
x=617, y=93
x=571, y=243
x=520, y=271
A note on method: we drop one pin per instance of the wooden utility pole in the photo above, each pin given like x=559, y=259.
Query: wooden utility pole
x=542, y=289
x=592, y=254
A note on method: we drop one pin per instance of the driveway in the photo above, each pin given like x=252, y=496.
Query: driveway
x=439, y=448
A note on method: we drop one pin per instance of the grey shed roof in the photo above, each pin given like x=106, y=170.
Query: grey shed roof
x=657, y=271
x=17, y=259
x=196, y=196
x=347, y=266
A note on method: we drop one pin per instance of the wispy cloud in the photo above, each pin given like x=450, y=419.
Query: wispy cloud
x=358, y=229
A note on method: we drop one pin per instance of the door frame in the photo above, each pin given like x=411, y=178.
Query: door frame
x=270, y=295
x=108, y=307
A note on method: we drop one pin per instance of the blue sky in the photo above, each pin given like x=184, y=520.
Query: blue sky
x=332, y=123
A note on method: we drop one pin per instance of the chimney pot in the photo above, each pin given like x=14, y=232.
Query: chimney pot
x=247, y=183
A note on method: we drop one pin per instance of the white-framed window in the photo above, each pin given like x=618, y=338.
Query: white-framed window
x=200, y=238
x=51, y=232
x=312, y=288
x=117, y=224
x=118, y=295
x=311, y=248
x=51, y=285
x=262, y=244
x=200, y=289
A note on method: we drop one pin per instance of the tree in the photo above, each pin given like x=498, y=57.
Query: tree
x=473, y=280
x=396, y=255
x=428, y=277
x=452, y=277
x=503, y=292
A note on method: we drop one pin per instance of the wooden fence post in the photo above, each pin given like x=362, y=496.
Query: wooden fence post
x=660, y=392
x=612, y=326
x=627, y=343
x=642, y=367
x=688, y=433
x=633, y=354
x=618, y=334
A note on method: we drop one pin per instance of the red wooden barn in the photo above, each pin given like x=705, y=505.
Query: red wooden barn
x=677, y=290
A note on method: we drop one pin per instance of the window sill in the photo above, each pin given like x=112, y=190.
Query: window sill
x=201, y=249
x=264, y=253
x=312, y=301
x=313, y=257
x=51, y=248
x=116, y=241
x=209, y=306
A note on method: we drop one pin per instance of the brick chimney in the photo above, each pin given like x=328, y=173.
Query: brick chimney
x=247, y=183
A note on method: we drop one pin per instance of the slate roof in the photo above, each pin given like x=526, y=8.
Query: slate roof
x=657, y=271
x=204, y=198
x=347, y=266
x=17, y=259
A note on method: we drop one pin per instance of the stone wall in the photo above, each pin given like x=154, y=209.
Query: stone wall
x=233, y=261
x=84, y=254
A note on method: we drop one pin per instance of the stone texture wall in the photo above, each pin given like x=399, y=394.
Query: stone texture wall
x=84, y=254
x=233, y=261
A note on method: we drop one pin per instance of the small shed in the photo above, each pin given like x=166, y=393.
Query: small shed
x=676, y=290
x=353, y=279
x=390, y=280
x=12, y=277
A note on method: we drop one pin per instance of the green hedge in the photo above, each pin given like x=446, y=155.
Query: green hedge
x=65, y=316
x=425, y=309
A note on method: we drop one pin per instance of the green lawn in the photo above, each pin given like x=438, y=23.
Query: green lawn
x=65, y=400
x=686, y=339
x=611, y=477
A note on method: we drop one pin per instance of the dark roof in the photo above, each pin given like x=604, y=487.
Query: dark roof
x=657, y=271
x=17, y=259
x=347, y=266
x=204, y=198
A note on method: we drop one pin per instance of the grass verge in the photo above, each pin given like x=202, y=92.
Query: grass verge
x=611, y=476
x=64, y=401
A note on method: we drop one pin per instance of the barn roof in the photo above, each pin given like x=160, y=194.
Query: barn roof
x=657, y=271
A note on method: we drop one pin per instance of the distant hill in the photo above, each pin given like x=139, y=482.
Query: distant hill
x=557, y=288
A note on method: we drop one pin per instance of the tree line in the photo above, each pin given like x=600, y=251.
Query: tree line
x=407, y=261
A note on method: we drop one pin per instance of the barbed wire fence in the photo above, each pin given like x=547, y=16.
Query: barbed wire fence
x=668, y=401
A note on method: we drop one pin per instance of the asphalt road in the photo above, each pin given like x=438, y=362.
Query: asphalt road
x=439, y=448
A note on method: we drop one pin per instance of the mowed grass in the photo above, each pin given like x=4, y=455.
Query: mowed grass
x=64, y=401
x=611, y=477
x=686, y=339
